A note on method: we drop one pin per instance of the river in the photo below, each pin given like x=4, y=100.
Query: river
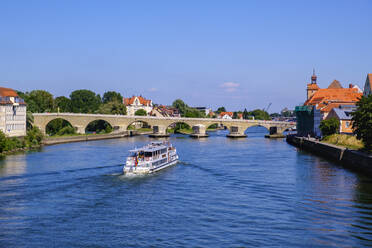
x=251, y=192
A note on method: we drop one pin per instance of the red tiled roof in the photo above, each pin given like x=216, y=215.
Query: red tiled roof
x=226, y=113
x=4, y=92
x=143, y=101
x=326, y=99
x=335, y=85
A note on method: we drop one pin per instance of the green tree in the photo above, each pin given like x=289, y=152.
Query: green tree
x=63, y=104
x=140, y=112
x=54, y=126
x=181, y=106
x=260, y=114
x=235, y=115
x=329, y=126
x=29, y=119
x=3, y=141
x=111, y=96
x=84, y=101
x=38, y=101
x=99, y=126
x=34, y=137
x=221, y=109
x=245, y=114
x=362, y=121
x=114, y=107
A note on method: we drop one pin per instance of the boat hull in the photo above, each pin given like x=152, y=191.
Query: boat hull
x=140, y=171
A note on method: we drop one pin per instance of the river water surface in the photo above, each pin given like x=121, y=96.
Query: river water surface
x=225, y=193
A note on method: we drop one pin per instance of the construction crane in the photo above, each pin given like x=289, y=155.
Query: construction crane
x=268, y=106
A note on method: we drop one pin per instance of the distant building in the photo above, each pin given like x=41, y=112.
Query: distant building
x=204, y=110
x=320, y=102
x=12, y=113
x=368, y=85
x=135, y=103
x=225, y=115
x=332, y=97
x=165, y=111
x=343, y=114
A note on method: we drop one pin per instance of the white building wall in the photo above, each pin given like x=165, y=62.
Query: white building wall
x=13, y=119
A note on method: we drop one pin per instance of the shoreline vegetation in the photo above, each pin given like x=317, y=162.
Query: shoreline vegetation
x=12, y=145
x=346, y=141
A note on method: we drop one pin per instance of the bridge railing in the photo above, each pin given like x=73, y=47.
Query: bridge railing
x=166, y=118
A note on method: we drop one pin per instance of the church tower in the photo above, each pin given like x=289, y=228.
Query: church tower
x=312, y=87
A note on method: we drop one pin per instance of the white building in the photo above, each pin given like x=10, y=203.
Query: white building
x=135, y=103
x=225, y=115
x=12, y=113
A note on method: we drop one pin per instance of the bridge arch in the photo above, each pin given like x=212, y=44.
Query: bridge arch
x=98, y=126
x=174, y=127
x=138, y=124
x=59, y=126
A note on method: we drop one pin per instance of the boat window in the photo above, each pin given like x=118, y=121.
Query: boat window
x=148, y=154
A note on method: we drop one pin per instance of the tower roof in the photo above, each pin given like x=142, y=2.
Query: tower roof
x=335, y=85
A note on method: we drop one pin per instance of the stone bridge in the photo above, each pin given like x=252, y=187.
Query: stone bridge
x=120, y=123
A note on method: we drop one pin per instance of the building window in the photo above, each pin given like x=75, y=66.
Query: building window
x=347, y=124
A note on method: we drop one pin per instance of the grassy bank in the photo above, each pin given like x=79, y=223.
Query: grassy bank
x=344, y=140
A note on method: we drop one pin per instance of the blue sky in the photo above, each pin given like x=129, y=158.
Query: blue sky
x=209, y=53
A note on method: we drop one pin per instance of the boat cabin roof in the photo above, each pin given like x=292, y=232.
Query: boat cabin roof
x=149, y=148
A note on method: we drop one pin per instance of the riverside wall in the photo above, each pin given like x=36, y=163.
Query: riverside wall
x=79, y=138
x=350, y=159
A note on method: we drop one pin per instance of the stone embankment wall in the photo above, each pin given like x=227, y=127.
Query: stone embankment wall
x=351, y=159
x=69, y=139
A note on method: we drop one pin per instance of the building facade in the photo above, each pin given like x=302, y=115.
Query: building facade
x=165, y=111
x=135, y=103
x=12, y=113
x=343, y=115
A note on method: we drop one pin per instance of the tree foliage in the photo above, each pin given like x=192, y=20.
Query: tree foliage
x=187, y=111
x=54, y=126
x=259, y=114
x=63, y=104
x=84, y=101
x=114, y=107
x=220, y=109
x=99, y=126
x=329, y=126
x=362, y=121
x=245, y=114
x=141, y=112
x=38, y=101
x=181, y=106
x=110, y=96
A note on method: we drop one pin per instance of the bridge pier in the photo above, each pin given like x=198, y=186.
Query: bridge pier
x=80, y=129
x=199, y=131
x=159, y=131
x=275, y=132
x=236, y=132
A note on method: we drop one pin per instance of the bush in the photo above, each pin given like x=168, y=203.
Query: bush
x=66, y=130
x=329, y=126
x=140, y=112
x=34, y=137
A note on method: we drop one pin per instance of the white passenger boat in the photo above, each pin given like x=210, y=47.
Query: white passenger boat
x=150, y=158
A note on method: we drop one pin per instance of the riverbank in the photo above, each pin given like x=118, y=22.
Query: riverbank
x=351, y=159
x=79, y=138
